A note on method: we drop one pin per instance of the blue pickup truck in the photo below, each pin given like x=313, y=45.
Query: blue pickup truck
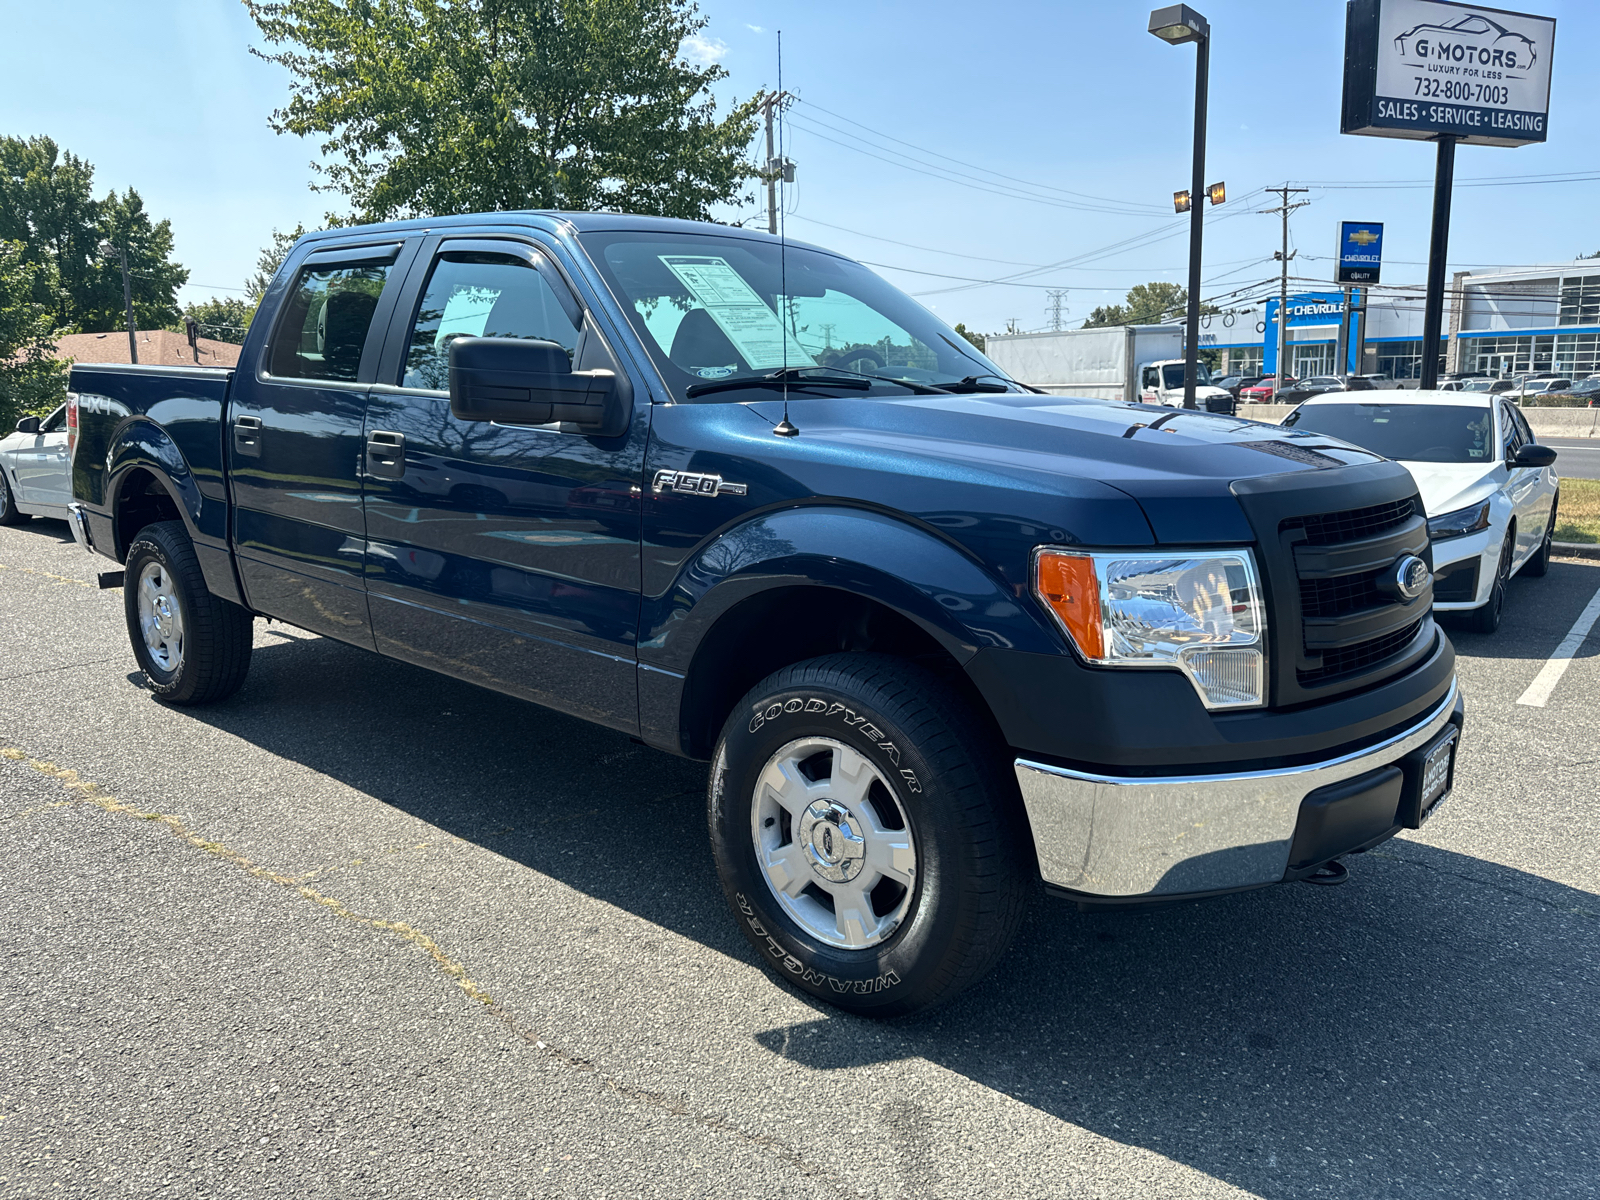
x=940, y=636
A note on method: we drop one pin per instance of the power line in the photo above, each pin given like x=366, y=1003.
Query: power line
x=1159, y=208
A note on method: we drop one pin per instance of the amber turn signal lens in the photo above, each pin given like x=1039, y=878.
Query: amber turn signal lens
x=1067, y=583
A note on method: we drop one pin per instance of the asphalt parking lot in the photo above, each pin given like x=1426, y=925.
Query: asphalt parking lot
x=365, y=931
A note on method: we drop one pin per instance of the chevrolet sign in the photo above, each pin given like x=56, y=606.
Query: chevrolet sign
x=1360, y=254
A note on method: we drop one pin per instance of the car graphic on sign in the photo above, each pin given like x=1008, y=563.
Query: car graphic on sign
x=1474, y=39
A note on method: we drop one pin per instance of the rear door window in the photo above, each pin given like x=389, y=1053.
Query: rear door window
x=326, y=317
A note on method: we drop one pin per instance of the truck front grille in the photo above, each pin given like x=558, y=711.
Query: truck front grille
x=1329, y=544
x=1362, y=655
x=1326, y=529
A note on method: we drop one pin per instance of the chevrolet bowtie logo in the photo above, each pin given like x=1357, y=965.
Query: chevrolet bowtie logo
x=1363, y=237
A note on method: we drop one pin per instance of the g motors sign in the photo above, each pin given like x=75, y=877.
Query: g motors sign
x=1420, y=68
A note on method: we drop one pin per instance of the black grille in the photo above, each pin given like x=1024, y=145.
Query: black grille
x=1345, y=594
x=1328, y=529
x=1362, y=655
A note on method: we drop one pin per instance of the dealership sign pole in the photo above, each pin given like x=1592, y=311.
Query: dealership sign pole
x=1438, y=71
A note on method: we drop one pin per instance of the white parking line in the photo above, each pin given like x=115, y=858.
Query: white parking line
x=1552, y=671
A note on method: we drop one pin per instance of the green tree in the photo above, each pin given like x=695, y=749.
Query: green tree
x=47, y=204
x=32, y=380
x=443, y=106
x=977, y=339
x=1146, y=304
x=269, y=260
x=224, y=320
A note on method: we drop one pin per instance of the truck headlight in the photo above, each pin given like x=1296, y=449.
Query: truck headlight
x=1200, y=612
x=1459, y=523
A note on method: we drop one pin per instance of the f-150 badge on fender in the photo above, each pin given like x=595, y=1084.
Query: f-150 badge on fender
x=692, y=483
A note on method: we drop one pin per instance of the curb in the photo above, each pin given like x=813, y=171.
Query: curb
x=1575, y=550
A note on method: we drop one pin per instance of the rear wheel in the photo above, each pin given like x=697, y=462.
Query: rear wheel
x=193, y=647
x=10, y=514
x=1486, y=617
x=868, y=833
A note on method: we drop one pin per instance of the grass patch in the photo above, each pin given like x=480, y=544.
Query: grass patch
x=1578, y=519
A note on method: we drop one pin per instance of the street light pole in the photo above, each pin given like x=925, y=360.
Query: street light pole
x=1176, y=24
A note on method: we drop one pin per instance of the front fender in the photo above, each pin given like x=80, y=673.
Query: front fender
x=920, y=575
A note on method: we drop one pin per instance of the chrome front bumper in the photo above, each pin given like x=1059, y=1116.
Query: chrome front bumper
x=79, y=522
x=1137, y=836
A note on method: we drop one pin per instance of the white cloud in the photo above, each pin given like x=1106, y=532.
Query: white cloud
x=755, y=29
x=703, y=51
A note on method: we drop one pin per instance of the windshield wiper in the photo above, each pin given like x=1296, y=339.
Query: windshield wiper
x=790, y=375
x=972, y=383
x=921, y=389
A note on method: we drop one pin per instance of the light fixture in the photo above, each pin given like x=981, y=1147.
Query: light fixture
x=1180, y=202
x=1217, y=192
x=1178, y=23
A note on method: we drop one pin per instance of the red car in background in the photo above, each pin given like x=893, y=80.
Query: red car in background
x=1261, y=392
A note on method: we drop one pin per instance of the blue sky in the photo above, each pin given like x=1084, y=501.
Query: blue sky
x=1070, y=96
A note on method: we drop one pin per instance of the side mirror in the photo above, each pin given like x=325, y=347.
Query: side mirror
x=1534, y=455
x=518, y=381
x=28, y=425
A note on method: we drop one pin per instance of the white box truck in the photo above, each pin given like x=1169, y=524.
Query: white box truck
x=1136, y=363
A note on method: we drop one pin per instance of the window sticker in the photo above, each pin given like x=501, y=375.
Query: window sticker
x=752, y=327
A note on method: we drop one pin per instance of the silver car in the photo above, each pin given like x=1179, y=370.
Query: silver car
x=35, y=477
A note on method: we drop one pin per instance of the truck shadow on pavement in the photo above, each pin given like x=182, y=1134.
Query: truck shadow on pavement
x=1426, y=1029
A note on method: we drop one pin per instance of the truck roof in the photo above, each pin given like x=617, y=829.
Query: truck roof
x=558, y=221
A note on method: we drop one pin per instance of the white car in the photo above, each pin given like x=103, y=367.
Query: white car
x=1535, y=387
x=1488, y=488
x=35, y=477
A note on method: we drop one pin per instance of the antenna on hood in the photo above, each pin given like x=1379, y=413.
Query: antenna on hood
x=785, y=427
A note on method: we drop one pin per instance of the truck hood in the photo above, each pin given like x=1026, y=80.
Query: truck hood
x=1446, y=487
x=1177, y=464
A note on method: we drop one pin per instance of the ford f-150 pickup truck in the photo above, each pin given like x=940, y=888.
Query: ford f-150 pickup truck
x=939, y=636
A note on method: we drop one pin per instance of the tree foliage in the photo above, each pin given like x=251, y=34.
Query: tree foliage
x=222, y=319
x=269, y=260
x=977, y=339
x=47, y=205
x=430, y=107
x=1146, y=304
x=31, y=379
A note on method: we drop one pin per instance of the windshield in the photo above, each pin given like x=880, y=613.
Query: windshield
x=1442, y=433
x=1172, y=375
x=706, y=308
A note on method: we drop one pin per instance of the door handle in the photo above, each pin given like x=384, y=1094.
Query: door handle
x=386, y=454
x=247, y=436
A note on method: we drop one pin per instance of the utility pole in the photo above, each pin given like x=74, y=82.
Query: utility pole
x=772, y=103
x=1057, y=299
x=107, y=250
x=1284, y=208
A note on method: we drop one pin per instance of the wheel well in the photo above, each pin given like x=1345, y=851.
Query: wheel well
x=788, y=625
x=141, y=501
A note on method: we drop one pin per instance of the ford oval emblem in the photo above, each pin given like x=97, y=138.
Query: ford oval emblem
x=1411, y=577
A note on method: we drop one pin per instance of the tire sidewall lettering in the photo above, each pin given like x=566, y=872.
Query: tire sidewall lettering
x=835, y=712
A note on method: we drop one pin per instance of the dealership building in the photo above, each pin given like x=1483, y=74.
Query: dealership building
x=1504, y=321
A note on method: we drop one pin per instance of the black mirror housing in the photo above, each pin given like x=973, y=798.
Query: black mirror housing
x=1534, y=455
x=523, y=381
x=28, y=425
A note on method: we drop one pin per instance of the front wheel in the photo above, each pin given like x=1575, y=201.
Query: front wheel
x=868, y=833
x=1539, y=565
x=1486, y=617
x=10, y=514
x=193, y=646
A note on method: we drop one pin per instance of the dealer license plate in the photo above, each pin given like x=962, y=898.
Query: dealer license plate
x=1436, y=772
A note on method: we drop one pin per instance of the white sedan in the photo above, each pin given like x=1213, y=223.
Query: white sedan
x=35, y=477
x=1488, y=488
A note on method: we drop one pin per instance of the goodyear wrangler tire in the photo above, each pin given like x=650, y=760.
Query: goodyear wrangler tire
x=868, y=832
x=193, y=647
